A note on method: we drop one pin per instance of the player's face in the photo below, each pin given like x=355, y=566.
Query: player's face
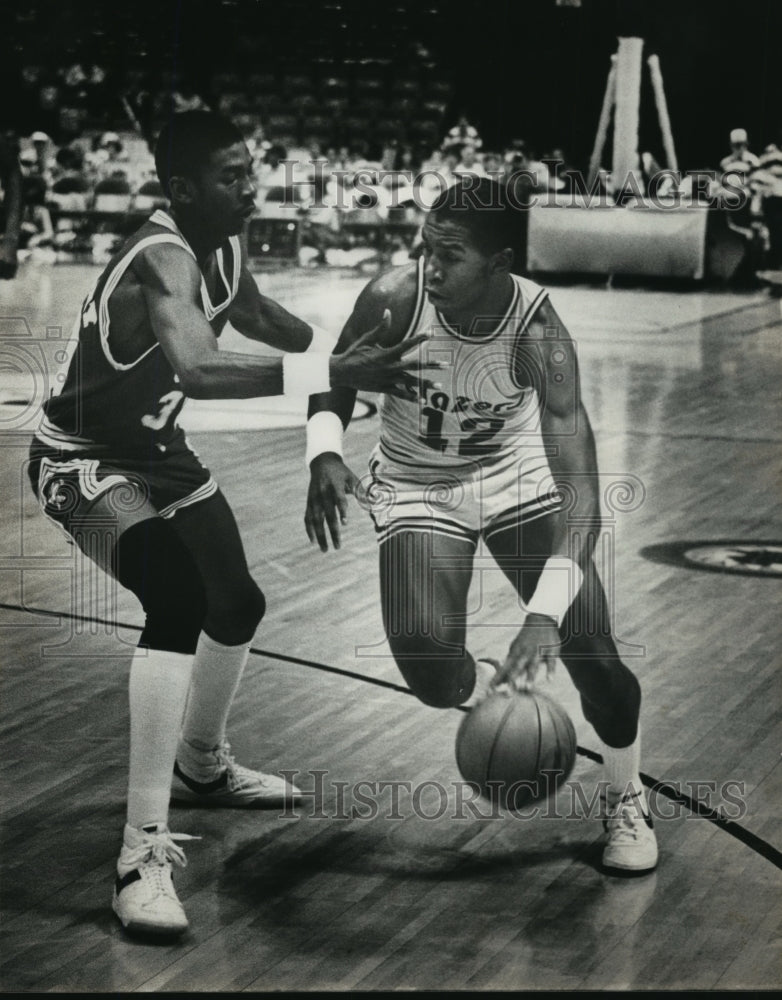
x=455, y=271
x=226, y=192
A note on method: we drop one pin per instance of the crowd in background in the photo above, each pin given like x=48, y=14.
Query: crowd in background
x=328, y=151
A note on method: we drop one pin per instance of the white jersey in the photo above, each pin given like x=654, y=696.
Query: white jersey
x=485, y=410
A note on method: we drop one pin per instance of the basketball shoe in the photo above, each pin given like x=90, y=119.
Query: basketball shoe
x=631, y=844
x=144, y=896
x=213, y=778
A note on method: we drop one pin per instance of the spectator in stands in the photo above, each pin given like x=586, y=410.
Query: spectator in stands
x=522, y=169
x=110, y=158
x=469, y=162
x=44, y=155
x=766, y=182
x=272, y=174
x=560, y=170
x=463, y=132
x=437, y=179
x=70, y=184
x=12, y=205
x=492, y=164
x=739, y=152
x=36, y=229
x=185, y=97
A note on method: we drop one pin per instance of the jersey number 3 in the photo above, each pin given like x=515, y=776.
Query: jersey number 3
x=167, y=405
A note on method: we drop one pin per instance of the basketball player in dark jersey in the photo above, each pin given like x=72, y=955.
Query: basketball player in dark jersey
x=486, y=458
x=110, y=465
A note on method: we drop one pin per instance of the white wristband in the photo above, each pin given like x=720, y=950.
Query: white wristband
x=558, y=584
x=322, y=341
x=324, y=433
x=305, y=374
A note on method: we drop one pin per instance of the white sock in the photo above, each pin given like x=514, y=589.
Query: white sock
x=217, y=670
x=158, y=691
x=621, y=767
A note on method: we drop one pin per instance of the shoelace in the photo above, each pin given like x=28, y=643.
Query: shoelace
x=238, y=776
x=161, y=848
x=623, y=825
x=624, y=818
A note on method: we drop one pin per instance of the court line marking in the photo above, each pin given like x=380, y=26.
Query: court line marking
x=736, y=830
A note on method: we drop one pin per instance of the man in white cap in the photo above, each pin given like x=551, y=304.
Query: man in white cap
x=740, y=157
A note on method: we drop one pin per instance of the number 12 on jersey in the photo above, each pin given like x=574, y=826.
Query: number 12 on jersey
x=480, y=442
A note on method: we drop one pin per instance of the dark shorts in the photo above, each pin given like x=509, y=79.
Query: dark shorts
x=68, y=484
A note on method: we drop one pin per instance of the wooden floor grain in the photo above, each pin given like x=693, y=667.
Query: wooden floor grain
x=353, y=893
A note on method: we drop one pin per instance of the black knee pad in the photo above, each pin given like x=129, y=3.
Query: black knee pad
x=235, y=614
x=152, y=562
x=613, y=710
x=437, y=682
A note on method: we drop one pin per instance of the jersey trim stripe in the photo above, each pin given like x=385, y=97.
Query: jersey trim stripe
x=162, y=218
x=429, y=525
x=209, y=488
x=526, y=319
x=530, y=511
x=114, y=279
x=483, y=338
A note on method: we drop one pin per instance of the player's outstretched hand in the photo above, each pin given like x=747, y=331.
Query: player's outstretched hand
x=537, y=644
x=327, y=499
x=368, y=366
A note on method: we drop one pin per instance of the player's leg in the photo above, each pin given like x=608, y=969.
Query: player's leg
x=424, y=581
x=151, y=561
x=117, y=527
x=610, y=692
x=234, y=608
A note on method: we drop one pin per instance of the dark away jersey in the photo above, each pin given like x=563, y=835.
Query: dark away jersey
x=121, y=394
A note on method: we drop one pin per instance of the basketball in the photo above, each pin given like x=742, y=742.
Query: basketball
x=517, y=747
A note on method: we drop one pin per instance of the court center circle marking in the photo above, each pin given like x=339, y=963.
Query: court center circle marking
x=745, y=556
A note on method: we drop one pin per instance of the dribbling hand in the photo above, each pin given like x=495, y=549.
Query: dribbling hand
x=536, y=645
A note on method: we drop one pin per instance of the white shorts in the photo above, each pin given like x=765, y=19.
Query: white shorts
x=468, y=502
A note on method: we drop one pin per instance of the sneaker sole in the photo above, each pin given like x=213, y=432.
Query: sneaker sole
x=628, y=872
x=144, y=928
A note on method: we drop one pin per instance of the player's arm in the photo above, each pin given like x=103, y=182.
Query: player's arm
x=171, y=283
x=550, y=352
x=392, y=295
x=258, y=317
x=547, y=361
x=11, y=182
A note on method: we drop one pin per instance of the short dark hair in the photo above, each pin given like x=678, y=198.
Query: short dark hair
x=483, y=208
x=187, y=141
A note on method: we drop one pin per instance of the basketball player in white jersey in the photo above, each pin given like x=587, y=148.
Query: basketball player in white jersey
x=487, y=456
x=110, y=465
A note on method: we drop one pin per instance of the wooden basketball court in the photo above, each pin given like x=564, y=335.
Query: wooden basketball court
x=402, y=886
